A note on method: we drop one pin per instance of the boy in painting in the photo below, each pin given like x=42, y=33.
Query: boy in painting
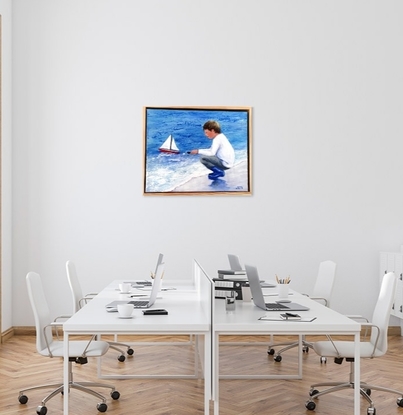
x=220, y=156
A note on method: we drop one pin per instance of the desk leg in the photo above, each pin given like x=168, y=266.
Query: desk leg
x=357, y=374
x=98, y=337
x=66, y=374
x=300, y=356
x=216, y=373
x=197, y=356
x=207, y=373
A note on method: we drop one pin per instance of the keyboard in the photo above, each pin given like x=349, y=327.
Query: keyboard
x=145, y=283
x=142, y=283
x=139, y=303
x=276, y=306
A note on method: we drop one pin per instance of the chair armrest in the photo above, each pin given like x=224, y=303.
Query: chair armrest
x=320, y=299
x=357, y=317
x=54, y=324
x=367, y=326
x=378, y=333
x=60, y=318
x=45, y=335
x=57, y=323
x=83, y=301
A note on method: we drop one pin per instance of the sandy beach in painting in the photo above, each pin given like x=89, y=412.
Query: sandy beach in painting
x=235, y=180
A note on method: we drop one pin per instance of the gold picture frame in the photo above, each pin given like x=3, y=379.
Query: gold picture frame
x=197, y=150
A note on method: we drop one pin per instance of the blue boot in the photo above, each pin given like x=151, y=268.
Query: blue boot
x=216, y=173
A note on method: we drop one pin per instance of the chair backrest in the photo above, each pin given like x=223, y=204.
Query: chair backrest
x=75, y=286
x=381, y=314
x=40, y=310
x=324, y=281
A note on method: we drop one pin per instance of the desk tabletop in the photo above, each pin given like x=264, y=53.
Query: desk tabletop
x=245, y=319
x=178, y=286
x=186, y=313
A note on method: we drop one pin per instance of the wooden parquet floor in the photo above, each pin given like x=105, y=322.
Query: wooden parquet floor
x=21, y=366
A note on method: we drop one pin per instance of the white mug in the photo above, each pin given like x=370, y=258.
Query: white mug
x=125, y=287
x=125, y=310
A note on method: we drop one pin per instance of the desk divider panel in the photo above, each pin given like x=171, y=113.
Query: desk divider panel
x=206, y=289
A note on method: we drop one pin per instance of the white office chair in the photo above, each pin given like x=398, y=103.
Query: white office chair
x=375, y=345
x=321, y=292
x=79, y=350
x=79, y=300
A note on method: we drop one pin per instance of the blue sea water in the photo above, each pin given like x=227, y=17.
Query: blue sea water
x=165, y=171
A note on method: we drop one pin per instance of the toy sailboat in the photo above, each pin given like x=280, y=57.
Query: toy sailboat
x=169, y=146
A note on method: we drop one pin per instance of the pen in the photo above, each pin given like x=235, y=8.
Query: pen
x=283, y=280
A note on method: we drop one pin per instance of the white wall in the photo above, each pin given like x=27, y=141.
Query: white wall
x=324, y=79
x=6, y=154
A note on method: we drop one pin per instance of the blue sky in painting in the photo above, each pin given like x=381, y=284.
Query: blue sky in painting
x=165, y=171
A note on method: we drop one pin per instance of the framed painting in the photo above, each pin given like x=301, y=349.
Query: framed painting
x=197, y=150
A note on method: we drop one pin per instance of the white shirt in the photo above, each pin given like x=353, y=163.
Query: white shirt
x=221, y=148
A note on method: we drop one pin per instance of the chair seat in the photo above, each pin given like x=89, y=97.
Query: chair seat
x=345, y=349
x=78, y=348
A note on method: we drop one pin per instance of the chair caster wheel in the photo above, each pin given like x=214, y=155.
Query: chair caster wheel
x=313, y=392
x=102, y=407
x=371, y=411
x=24, y=399
x=122, y=358
x=399, y=402
x=115, y=395
x=130, y=351
x=270, y=352
x=41, y=410
x=278, y=358
x=310, y=405
x=305, y=349
x=323, y=360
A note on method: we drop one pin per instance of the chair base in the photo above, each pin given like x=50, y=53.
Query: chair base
x=59, y=388
x=277, y=356
x=365, y=391
x=118, y=347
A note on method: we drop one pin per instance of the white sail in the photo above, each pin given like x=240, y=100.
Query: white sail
x=169, y=145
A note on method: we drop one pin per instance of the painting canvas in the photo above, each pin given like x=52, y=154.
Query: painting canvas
x=197, y=150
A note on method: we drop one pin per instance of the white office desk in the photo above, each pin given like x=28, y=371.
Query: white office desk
x=245, y=321
x=189, y=314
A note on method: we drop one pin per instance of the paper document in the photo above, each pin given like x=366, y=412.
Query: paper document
x=278, y=318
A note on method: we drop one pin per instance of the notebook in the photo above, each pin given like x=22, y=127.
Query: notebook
x=258, y=298
x=142, y=303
